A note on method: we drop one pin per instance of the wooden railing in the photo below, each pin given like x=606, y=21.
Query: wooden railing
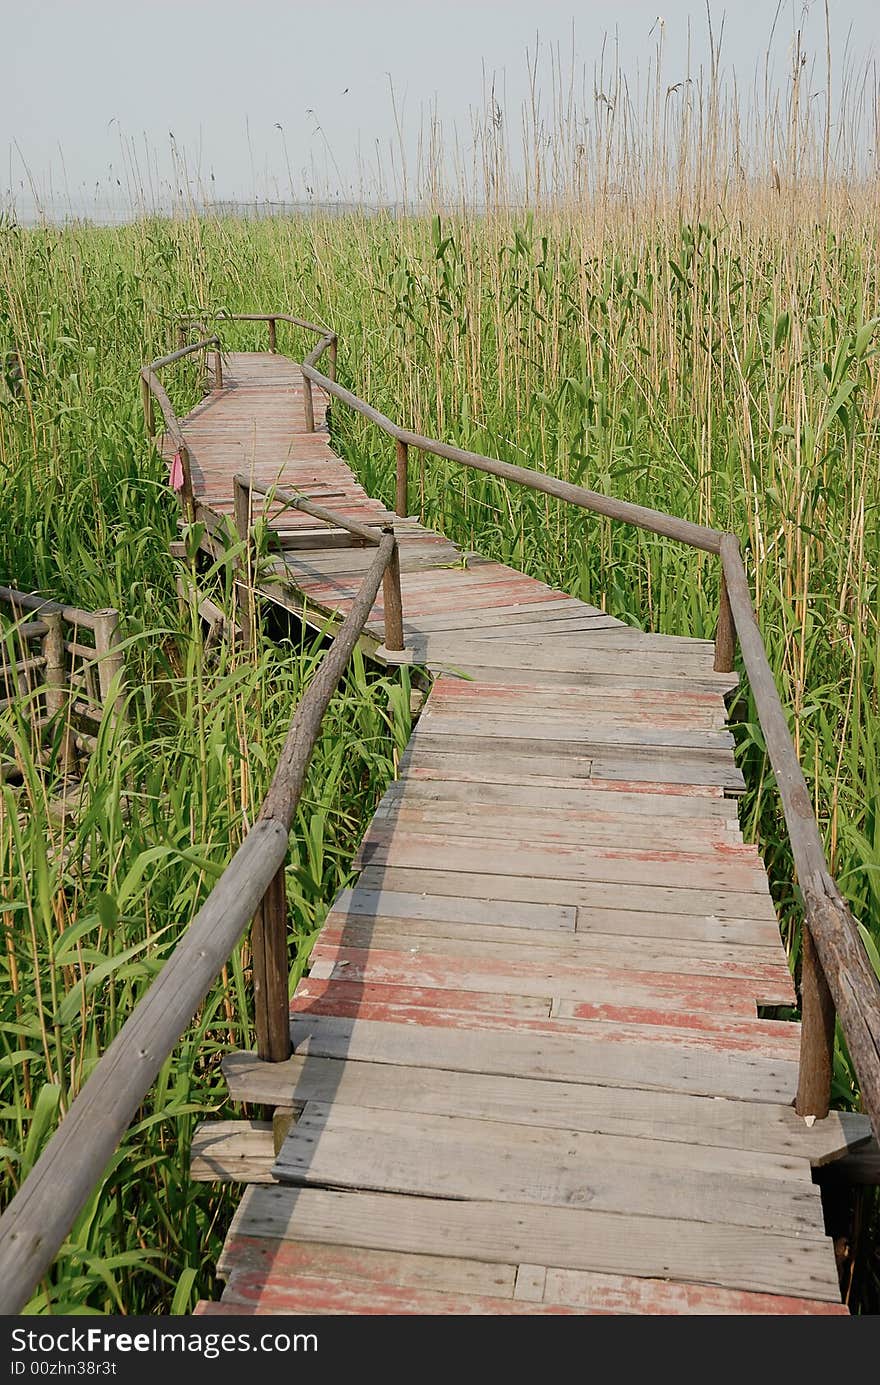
x=58, y=671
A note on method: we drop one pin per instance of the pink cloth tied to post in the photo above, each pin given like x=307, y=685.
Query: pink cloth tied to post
x=175, y=474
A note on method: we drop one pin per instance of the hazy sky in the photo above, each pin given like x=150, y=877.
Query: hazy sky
x=87, y=86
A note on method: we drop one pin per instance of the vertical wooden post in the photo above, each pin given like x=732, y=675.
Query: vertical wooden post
x=725, y=633
x=308, y=406
x=111, y=667
x=273, y=337
x=271, y=972
x=56, y=699
x=218, y=369
x=242, y=500
x=147, y=402
x=817, y=1033
x=392, y=600
x=401, y=503
x=331, y=365
x=187, y=497
x=181, y=336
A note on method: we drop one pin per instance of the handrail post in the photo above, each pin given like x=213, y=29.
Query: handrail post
x=187, y=497
x=331, y=367
x=725, y=631
x=817, y=1033
x=401, y=503
x=147, y=402
x=182, y=335
x=392, y=600
x=273, y=339
x=218, y=368
x=271, y=973
x=308, y=405
x=242, y=505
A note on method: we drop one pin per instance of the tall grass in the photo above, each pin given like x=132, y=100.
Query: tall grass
x=658, y=311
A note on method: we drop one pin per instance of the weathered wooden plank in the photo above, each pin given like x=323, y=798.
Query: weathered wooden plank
x=264, y=1258
x=493, y=1161
x=695, y=836
x=732, y=868
x=760, y=970
x=538, y=916
x=584, y=1106
x=576, y=733
x=457, y=916
x=569, y=1238
x=565, y=656
x=305, y=1295
x=590, y=895
x=505, y=762
x=235, y=1151
x=670, y=800
x=534, y=977
x=478, y=1012
x=659, y=1062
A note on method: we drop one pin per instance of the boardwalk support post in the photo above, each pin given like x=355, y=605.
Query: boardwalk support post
x=243, y=598
x=817, y=1033
x=271, y=973
x=392, y=599
x=273, y=337
x=402, y=499
x=218, y=369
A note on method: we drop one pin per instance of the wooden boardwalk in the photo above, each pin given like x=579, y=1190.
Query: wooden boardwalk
x=529, y=1071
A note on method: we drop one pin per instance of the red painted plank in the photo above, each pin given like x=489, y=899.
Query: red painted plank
x=768, y=1038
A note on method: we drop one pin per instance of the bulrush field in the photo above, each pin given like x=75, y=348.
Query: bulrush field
x=646, y=310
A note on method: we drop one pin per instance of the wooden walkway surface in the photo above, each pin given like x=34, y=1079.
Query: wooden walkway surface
x=529, y=1074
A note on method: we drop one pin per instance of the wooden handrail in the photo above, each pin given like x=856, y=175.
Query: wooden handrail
x=696, y=535
x=29, y=601
x=33, y=1227
x=835, y=963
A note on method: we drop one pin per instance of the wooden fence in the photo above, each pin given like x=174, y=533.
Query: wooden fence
x=57, y=660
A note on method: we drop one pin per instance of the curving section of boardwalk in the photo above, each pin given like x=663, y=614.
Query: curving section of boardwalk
x=529, y=1071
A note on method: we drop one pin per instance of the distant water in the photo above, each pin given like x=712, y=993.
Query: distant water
x=105, y=213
